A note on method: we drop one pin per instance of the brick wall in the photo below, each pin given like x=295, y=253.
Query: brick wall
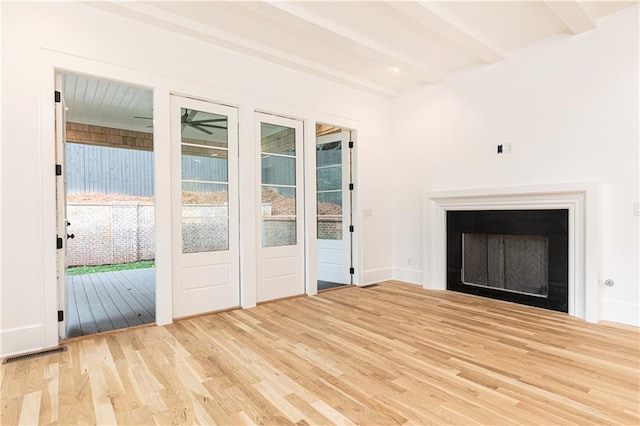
x=123, y=232
x=330, y=228
x=119, y=232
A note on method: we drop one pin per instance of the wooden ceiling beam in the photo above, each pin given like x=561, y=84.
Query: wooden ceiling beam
x=197, y=30
x=436, y=19
x=572, y=14
x=416, y=68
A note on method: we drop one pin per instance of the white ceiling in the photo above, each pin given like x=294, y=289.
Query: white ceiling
x=380, y=46
x=383, y=47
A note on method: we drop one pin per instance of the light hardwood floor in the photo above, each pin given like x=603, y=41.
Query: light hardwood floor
x=389, y=354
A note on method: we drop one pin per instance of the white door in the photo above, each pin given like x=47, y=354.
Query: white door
x=205, y=216
x=281, y=232
x=334, y=207
x=61, y=206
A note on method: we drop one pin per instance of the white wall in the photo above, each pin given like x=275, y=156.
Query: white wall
x=569, y=106
x=33, y=31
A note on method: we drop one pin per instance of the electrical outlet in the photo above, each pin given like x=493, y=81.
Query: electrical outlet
x=500, y=149
x=408, y=261
x=508, y=148
x=367, y=213
x=636, y=209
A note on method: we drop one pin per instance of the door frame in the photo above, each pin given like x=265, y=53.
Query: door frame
x=51, y=64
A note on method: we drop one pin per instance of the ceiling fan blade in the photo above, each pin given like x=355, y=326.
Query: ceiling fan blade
x=190, y=114
x=212, y=126
x=211, y=120
x=202, y=129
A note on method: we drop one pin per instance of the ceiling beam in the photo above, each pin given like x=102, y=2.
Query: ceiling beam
x=197, y=30
x=438, y=20
x=409, y=65
x=572, y=15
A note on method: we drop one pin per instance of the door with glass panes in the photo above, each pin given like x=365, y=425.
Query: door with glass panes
x=333, y=208
x=281, y=226
x=205, y=215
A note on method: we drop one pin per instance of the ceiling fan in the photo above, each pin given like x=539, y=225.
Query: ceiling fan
x=188, y=119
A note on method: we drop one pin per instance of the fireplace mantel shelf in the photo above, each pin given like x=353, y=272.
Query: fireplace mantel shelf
x=581, y=199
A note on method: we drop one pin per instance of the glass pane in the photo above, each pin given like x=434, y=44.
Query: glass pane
x=329, y=178
x=203, y=128
x=278, y=231
x=330, y=203
x=205, y=223
x=277, y=139
x=204, y=164
x=278, y=201
x=204, y=234
x=329, y=228
x=278, y=216
x=329, y=154
x=278, y=170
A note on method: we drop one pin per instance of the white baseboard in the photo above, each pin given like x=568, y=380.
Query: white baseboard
x=373, y=276
x=413, y=276
x=620, y=312
x=20, y=340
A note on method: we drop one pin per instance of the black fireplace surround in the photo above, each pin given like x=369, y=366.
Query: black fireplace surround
x=550, y=224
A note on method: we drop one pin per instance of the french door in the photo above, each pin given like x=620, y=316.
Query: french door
x=205, y=216
x=281, y=233
x=61, y=206
x=334, y=207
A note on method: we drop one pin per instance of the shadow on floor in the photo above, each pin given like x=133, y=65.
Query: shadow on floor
x=325, y=285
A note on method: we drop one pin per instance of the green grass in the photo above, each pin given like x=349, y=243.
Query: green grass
x=79, y=270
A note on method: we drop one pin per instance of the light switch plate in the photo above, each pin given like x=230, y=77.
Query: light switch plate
x=367, y=213
x=636, y=209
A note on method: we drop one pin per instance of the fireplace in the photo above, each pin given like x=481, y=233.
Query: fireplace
x=583, y=202
x=514, y=255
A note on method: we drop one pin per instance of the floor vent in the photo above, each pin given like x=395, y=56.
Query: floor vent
x=16, y=358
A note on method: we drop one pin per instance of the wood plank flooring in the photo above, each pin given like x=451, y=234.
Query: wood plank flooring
x=110, y=301
x=388, y=354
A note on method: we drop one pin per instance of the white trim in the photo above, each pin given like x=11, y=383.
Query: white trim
x=582, y=200
x=373, y=276
x=310, y=208
x=21, y=339
x=411, y=276
x=620, y=312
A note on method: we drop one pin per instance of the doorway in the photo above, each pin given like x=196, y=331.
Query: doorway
x=105, y=205
x=334, y=187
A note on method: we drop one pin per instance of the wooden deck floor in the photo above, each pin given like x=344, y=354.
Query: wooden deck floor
x=388, y=354
x=109, y=301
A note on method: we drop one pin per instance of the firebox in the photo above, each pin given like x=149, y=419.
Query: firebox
x=519, y=256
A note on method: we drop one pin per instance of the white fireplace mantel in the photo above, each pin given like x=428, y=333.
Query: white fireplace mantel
x=581, y=199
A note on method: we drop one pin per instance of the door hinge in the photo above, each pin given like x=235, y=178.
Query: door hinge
x=350, y=144
x=57, y=96
x=58, y=243
x=58, y=169
x=351, y=187
x=351, y=228
x=352, y=271
x=60, y=316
